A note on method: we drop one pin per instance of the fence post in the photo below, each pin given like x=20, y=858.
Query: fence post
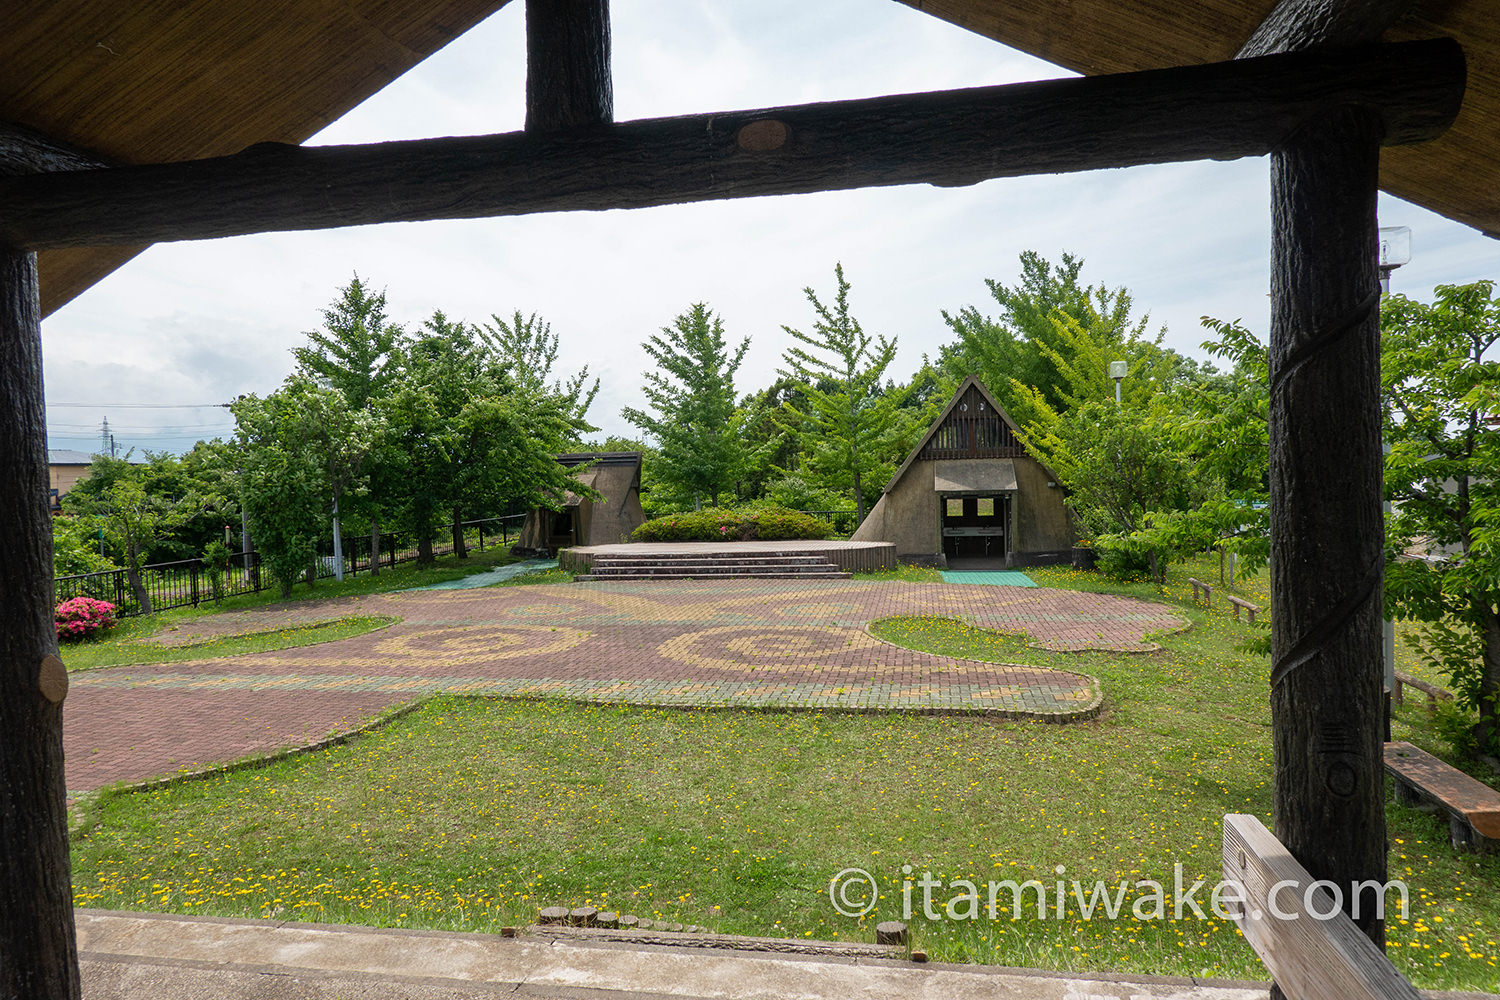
x=193, y=583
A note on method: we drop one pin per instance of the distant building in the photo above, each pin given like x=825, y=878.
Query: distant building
x=581, y=521
x=970, y=494
x=65, y=468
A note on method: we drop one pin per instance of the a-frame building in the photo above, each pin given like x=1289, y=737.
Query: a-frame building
x=971, y=494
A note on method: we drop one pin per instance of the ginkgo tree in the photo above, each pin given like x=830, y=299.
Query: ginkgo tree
x=852, y=428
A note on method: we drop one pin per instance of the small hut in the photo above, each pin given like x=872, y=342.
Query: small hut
x=971, y=495
x=616, y=476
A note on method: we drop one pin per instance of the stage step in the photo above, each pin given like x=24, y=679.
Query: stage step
x=700, y=565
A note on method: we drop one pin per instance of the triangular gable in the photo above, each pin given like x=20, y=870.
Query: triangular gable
x=989, y=432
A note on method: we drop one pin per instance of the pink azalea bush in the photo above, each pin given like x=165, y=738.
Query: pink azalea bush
x=81, y=617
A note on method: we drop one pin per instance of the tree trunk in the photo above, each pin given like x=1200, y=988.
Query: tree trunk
x=424, y=549
x=1327, y=533
x=459, y=549
x=374, y=544
x=1487, y=732
x=137, y=586
x=38, y=953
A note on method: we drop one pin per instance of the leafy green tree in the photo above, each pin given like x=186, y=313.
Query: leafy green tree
x=693, y=414
x=526, y=348
x=116, y=497
x=851, y=429
x=1119, y=467
x=302, y=450
x=355, y=352
x=76, y=545
x=1442, y=477
x=464, y=432
x=1023, y=344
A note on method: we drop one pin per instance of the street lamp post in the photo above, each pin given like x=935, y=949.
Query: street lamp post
x=1117, y=372
x=1395, y=250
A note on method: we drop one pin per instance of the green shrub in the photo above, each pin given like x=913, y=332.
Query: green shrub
x=716, y=525
x=1123, y=557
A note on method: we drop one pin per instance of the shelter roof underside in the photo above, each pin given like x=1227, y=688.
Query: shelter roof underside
x=164, y=80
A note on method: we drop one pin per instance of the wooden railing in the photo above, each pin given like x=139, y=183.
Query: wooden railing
x=1311, y=955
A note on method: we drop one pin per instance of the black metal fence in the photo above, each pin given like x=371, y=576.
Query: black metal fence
x=191, y=582
x=844, y=521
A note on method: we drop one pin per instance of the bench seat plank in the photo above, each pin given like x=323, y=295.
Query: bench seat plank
x=1451, y=788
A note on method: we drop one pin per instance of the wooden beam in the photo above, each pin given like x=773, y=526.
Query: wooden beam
x=1220, y=111
x=38, y=956
x=568, y=82
x=26, y=151
x=1311, y=957
x=1300, y=25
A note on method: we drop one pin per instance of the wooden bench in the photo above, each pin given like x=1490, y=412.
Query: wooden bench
x=1423, y=781
x=1208, y=591
x=1250, y=609
x=1433, y=692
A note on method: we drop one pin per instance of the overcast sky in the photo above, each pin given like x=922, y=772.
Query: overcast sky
x=199, y=323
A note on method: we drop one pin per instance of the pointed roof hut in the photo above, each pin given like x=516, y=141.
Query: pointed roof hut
x=971, y=494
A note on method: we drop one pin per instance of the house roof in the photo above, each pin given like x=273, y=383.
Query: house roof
x=67, y=456
x=166, y=80
x=970, y=381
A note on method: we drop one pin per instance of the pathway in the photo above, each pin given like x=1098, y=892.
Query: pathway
x=750, y=643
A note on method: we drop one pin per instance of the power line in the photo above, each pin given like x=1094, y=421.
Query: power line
x=144, y=406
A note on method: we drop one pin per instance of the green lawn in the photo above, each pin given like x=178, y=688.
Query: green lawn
x=130, y=642
x=472, y=813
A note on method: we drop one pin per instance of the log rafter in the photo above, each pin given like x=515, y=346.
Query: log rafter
x=1302, y=25
x=1220, y=111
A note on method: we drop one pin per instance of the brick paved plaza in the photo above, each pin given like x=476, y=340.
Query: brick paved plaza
x=741, y=643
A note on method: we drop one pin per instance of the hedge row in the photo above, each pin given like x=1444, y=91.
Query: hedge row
x=715, y=525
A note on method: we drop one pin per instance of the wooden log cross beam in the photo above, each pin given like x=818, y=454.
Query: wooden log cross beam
x=1249, y=107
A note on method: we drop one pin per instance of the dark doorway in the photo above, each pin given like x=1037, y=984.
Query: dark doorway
x=976, y=530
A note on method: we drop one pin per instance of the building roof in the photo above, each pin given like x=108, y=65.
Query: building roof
x=970, y=381
x=156, y=82
x=600, y=458
x=67, y=456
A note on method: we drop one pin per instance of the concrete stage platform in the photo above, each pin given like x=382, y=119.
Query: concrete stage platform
x=847, y=557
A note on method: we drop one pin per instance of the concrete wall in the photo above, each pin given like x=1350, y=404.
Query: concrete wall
x=908, y=516
x=613, y=518
x=1042, y=521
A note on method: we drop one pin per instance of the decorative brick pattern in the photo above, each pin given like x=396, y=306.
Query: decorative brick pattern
x=771, y=644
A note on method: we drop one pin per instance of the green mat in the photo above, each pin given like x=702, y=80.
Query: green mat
x=999, y=577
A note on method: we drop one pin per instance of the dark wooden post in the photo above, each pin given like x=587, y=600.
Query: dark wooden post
x=568, y=83
x=1327, y=537
x=38, y=956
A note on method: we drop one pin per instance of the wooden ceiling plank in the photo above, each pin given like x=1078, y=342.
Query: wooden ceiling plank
x=1225, y=110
